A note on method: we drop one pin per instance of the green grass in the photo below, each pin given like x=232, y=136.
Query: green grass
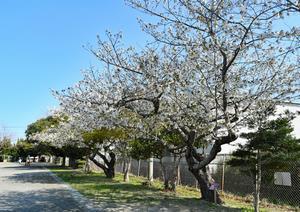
x=96, y=185
x=246, y=203
x=115, y=191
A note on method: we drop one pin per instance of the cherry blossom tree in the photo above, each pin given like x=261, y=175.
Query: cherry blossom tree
x=213, y=66
x=63, y=139
x=106, y=143
x=241, y=55
x=100, y=126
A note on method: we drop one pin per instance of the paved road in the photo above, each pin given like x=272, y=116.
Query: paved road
x=34, y=189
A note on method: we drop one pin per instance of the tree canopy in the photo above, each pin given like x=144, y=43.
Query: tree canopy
x=210, y=68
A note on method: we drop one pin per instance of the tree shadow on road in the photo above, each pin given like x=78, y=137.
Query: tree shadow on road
x=21, y=167
x=27, y=174
x=40, y=200
x=32, y=177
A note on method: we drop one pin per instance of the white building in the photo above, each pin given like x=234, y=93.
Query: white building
x=292, y=107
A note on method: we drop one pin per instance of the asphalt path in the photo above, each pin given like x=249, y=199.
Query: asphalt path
x=34, y=189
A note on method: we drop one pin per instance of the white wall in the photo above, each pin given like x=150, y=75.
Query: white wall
x=294, y=108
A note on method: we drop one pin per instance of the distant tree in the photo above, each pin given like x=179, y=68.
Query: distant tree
x=167, y=146
x=74, y=151
x=144, y=149
x=58, y=138
x=5, y=145
x=40, y=125
x=7, y=148
x=13, y=153
x=102, y=142
x=270, y=148
x=24, y=148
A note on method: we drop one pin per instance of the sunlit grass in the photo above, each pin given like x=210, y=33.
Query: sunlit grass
x=115, y=190
x=104, y=190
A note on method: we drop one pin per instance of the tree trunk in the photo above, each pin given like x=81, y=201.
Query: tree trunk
x=63, y=164
x=127, y=169
x=87, y=168
x=203, y=177
x=164, y=175
x=170, y=173
x=173, y=180
x=109, y=172
x=124, y=165
x=205, y=181
x=109, y=165
x=257, y=182
x=72, y=163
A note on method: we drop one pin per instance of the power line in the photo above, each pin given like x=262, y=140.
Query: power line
x=13, y=127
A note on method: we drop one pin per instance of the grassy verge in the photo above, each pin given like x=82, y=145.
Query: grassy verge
x=115, y=191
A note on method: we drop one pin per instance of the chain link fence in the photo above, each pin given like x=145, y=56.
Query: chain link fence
x=280, y=187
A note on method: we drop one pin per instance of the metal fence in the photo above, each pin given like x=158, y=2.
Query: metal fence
x=282, y=186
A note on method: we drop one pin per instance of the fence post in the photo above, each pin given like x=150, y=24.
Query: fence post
x=150, y=169
x=139, y=167
x=178, y=175
x=223, y=174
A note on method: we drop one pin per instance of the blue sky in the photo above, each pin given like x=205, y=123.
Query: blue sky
x=41, y=49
